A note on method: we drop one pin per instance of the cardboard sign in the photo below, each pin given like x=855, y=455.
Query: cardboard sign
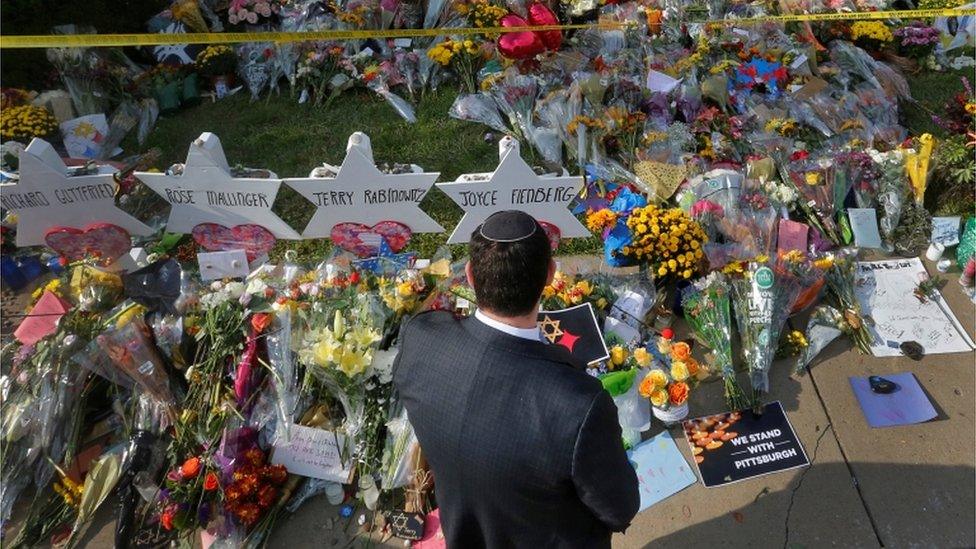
x=575, y=329
x=792, y=236
x=864, y=224
x=207, y=193
x=885, y=291
x=42, y=320
x=361, y=193
x=47, y=197
x=314, y=453
x=85, y=135
x=661, y=469
x=514, y=186
x=630, y=336
x=742, y=445
x=217, y=265
x=945, y=230
x=908, y=404
x=631, y=307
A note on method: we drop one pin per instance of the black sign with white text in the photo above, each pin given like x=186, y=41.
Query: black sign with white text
x=740, y=445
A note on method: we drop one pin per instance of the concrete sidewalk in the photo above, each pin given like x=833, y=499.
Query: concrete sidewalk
x=894, y=487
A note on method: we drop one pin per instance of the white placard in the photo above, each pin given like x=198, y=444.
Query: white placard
x=885, y=290
x=207, y=193
x=660, y=82
x=864, y=225
x=945, y=230
x=624, y=331
x=360, y=193
x=226, y=264
x=314, y=453
x=630, y=308
x=514, y=186
x=45, y=197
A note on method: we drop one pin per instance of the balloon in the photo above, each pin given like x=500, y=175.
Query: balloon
x=540, y=14
x=519, y=45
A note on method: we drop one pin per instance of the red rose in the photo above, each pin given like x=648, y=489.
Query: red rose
x=354, y=278
x=166, y=519
x=211, y=483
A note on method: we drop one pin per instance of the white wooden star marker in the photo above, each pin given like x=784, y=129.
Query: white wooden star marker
x=206, y=192
x=46, y=196
x=361, y=193
x=514, y=186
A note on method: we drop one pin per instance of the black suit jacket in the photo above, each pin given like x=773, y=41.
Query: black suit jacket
x=525, y=447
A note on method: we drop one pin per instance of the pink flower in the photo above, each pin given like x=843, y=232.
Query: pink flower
x=252, y=18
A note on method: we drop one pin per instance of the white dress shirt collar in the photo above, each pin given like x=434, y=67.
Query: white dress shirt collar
x=532, y=334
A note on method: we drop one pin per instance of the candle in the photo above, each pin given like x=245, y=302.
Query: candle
x=934, y=252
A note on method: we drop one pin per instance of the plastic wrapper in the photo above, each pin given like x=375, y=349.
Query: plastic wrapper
x=94, y=289
x=147, y=118
x=399, y=104
x=515, y=96
x=401, y=454
x=762, y=302
x=636, y=296
x=707, y=308
x=284, y=377
x=478, y=107
x=256, y=65
x=633, y=411
x=156, y=286
x=822, y=328
x=126, y=356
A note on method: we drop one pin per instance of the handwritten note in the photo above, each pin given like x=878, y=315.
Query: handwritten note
x=314, y=453
x=864, y=224
x=885, y=290
x=792, y=236
x=227, y=264
x=661, y=470
x=945, y=230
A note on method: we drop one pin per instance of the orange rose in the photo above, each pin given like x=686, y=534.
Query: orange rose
x=646, y=387
x=692, y=366
x=260, y=321
x=190, y=468
x=680, y=351
x=678, y=392
x=210, y=482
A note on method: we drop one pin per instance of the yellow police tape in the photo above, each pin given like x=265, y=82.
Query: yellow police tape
x=116, y=40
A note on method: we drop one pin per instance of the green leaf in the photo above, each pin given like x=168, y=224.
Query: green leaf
x=99, y=483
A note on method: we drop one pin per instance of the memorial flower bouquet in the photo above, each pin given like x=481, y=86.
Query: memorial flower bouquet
x=465, y=57
x=707, y=307
x=216, y=61
x=763, y=294
x=665, y=240
x=917, y=40
x=25, y=122
x=566, y=291
x=840, y=270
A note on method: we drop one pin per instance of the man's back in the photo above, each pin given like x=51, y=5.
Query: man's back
x=524, y=445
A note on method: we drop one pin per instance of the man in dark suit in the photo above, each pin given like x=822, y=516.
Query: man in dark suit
x=525, y=447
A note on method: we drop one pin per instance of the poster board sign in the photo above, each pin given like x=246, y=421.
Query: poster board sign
x=577, y=330
x=741, y=445
x=315, y=453
x=514, y=186
x=885, y=291
x=661, y=469
x=945, y=230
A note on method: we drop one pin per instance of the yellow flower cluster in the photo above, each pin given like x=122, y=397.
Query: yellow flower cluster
x=654, y=137
x=723, y=66
x=53, y=286
x=971, y=108
x=696, y=58
x=25, y=122
x=582, y=119
x=786, y=127
x=216, y=60
x=873, y=30
x=212, y=52
x=348, y=349
x=444, y=52
x=69, y=490
x=569, y=292
x=355, y=17
x=666, y=239
x=598, y=221
x=401, y=296
x=481, y=13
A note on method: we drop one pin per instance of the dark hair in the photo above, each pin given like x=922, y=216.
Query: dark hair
x=509, y=276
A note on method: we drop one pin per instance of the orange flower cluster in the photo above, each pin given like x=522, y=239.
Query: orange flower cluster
x=255, y=487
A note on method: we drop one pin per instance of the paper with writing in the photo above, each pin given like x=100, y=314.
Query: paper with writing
x=864, y=223
x=661, y=469
x=885, y=291
x=945, y=230
x=314, y=453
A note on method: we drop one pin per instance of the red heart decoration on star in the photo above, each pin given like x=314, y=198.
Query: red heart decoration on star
x=255, y=240
x=357, y=238
x=526, y=44
x=104, y=241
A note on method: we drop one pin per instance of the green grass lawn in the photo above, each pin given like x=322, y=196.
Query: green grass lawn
x=290, y=139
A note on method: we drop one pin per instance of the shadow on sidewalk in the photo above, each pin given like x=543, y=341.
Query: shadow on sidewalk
x=910, y=505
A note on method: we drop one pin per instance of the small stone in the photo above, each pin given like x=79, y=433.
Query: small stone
x=881, y=385
x=489, y=138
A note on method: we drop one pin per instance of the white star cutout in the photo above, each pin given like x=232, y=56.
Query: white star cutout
x=46, y=197
x=514, y=186
x=360, y=193
x=207, y=193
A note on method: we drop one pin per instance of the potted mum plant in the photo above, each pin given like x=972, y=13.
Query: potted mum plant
x=218, y=64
